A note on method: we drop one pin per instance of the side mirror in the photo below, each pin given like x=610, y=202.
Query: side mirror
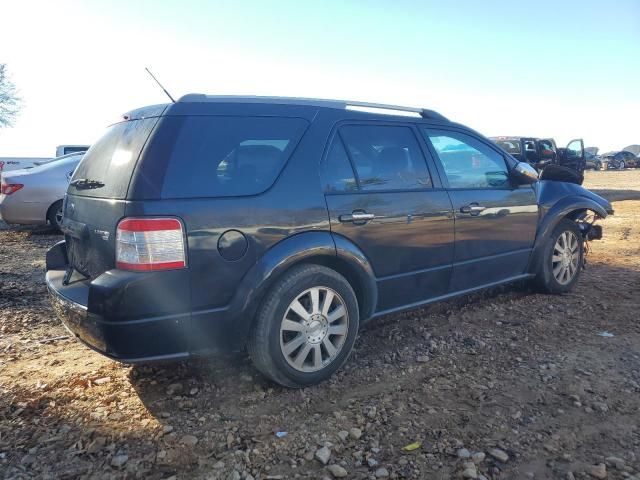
x=525, y=173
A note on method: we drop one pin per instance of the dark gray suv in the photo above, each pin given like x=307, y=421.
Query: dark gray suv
x=282, y=225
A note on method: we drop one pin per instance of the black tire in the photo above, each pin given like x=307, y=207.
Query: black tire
x=53, y=215
x=264, y=343
x=598, y=166
x=545, y=279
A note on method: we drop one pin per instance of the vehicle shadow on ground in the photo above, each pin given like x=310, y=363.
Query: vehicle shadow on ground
x=509, y=334
x=232, y=376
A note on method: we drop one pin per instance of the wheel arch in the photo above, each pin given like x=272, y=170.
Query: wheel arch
x=568, y=208
x=305, y=248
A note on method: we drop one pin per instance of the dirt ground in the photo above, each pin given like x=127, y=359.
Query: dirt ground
x=507, y=384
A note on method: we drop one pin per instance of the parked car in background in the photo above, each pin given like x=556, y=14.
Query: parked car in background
x=621, y=160
x=282, y=225
x=635, y=149
x=594, y=162
x=537, y=152
x=34, y=196
x=540, y=152
x=18, y=163
x=67, y=149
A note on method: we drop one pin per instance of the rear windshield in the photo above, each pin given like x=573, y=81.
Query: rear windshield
x=216, y=156
x=105, y=170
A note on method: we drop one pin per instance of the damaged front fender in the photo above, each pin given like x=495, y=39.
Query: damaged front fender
x=558, y=200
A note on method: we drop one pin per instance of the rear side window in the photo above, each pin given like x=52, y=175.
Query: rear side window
x=337, y=172
x=105, y=170
x=386, y=157
x=216, y=156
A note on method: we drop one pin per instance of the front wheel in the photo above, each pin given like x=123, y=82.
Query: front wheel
x=621, y=165
x=598, y=166
x=559, y=268
x=305, y=328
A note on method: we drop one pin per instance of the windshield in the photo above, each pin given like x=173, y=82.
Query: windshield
x=107, y=166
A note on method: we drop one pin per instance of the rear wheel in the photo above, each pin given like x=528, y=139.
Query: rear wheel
x=306, y=327
x=561, y=262
x=54, y=215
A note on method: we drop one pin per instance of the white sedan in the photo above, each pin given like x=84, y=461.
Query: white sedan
x=34, y=195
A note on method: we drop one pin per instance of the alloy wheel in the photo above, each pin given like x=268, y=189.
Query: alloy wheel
x=313, y=329
x=566, y=257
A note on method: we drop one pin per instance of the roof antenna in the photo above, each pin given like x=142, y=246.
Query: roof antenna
x=159, y=84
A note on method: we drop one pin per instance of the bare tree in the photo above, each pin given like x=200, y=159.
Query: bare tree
x=9, y=99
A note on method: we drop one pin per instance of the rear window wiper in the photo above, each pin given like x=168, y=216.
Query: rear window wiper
x=85, y=184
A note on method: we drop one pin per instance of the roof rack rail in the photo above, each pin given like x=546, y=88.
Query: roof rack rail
x=350, y=105
x=422, y=112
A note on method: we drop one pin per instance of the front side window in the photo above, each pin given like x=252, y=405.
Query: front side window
x=386, y=157
x=228, y=156
x=467, y=162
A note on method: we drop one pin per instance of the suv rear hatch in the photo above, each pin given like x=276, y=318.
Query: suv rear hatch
x=95, y=199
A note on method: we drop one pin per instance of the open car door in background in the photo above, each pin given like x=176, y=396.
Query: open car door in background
x=573, y=156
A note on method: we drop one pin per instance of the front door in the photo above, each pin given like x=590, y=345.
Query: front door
x=495, y=221
x=382, y=197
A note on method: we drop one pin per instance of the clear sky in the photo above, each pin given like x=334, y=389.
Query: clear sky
x=564, y=69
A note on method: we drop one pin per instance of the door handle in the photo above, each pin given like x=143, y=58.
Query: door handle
x=357, y=217
x=472, y=209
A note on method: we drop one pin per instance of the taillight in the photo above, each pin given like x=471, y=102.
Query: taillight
x=9, y=188
x=145, y=244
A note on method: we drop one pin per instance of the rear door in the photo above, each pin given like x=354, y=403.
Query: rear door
x=383, y=197
x=495, y=222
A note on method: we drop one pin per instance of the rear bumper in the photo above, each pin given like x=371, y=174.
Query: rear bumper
x=129, y=340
